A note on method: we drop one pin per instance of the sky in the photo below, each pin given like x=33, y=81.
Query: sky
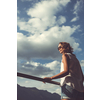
x=41, y=25
x=88, y=55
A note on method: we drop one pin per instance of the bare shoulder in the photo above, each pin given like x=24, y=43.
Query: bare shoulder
x=64, y=57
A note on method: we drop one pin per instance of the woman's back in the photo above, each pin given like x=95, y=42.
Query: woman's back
x=75, y=77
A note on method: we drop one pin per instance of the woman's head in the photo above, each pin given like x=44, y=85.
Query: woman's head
x=65, y=47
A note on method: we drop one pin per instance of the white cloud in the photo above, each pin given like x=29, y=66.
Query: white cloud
x=37, y=25
x=44, y=31
x=75, y=19
x=75, y=46
x=78, y=6
x=26, y=81
x=38, y=69
x=32, y=83
x=45, y=45
x=61, y=20
x=40, y=85
x=82, y=63
x=31, y=67
x=57, y=90
x=53, y=65
x=43, y=16
x=46, y=8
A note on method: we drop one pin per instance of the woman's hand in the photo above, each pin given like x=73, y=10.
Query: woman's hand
x=47, y=79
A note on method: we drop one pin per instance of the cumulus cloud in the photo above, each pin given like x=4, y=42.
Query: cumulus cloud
x=45, y=44
x=38, y=69
x=61, y=20
x=43, y=16
x=47, y=8
x=53, y=65
x=45, y=31
x=37, y=25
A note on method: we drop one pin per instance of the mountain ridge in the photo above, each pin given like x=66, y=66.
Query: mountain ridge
x=25, y=93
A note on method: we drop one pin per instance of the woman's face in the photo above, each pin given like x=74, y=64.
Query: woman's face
x=60, y=48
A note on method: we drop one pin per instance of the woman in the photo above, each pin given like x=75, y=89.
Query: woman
x=71, y=74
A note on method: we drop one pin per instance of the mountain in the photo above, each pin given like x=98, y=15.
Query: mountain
x=24, y=93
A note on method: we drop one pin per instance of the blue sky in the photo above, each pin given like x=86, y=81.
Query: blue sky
x=41, y=25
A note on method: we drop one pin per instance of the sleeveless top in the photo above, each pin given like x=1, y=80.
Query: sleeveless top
x=75, y=76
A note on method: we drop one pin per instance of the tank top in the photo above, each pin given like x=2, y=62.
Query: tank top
x=75, y=76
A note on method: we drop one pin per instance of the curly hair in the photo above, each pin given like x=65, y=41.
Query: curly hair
x=66, y=46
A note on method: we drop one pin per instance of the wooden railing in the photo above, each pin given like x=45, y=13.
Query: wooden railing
x=36, y=78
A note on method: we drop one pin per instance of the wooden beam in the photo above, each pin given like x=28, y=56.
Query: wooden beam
x=36, y=78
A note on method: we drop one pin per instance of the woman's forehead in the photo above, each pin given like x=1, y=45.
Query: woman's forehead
x=59, y=45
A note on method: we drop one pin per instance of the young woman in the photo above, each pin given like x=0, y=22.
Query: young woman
x=71, y=74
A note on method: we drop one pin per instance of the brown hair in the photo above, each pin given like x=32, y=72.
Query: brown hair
x=66, y=46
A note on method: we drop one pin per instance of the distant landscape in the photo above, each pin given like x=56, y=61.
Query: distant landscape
x=24, y=93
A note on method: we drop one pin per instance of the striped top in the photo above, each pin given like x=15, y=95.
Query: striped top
x=75, y=76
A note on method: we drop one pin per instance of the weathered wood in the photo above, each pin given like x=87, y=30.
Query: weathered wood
x=36, y=78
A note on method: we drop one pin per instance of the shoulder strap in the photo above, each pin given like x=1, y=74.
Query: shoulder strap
x=68, y=54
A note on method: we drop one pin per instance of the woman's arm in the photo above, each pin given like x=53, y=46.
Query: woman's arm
x=63, y=73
